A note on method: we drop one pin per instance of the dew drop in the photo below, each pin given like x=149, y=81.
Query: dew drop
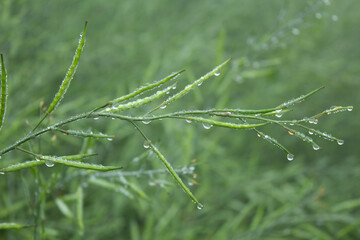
x=146, y=122
x=207, y=125
x=216, y=74
x=279, y=114
x=290, y=157
x=174, y=87
x=295, y=31
x=108, y=109
x=110, y=139
x=163, y=106
x=316, y=147
x=313, y=121
x=340, y=142
x=334, y=18
x=199, y=84
x=2, y=173
x=49, y=163
x=96, y=118
x=349, y=109
x=199, y=206
x=112, y=118
x=188, y=120
x=311, y=132
x=146, y=144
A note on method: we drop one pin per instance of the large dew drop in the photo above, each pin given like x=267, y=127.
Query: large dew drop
x=290, y=157
x=340, y=142
x=2, y=173
x=316, y=147
x=163, y=106
x=146, y=122
x=199, y=206
x=49, y=163
x=146, y=144
x=207, y=125
x=216, y=74
x=188, y=120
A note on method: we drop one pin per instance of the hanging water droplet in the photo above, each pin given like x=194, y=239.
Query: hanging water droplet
x=174, y=87
x=349, y=109
x=188, y=120
x=334, y=18
x=290, y=157
x=279, y=114
x=146, y=122
x=163, y=106
x=295, y=31
x=199, y=84
x=216, y=74
x=96, y=118
x=146, y=144
x=340, y=142
x=112, y=118
x=318, y=15
x=199, y=206
x=190, y=183
x=316, y=147
x=313, y=121
x=311, y=132
x=108, y=109
x=291, y=124
x=49, y=163
x=110, y=139
x=2, y=173
x=207, y=125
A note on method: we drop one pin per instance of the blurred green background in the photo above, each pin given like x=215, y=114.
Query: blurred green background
x=279, y=49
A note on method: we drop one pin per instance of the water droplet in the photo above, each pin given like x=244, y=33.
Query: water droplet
x=313, y=121
x=190, y=183
x=349, y=109
x=290, y=157
x=110, y=139
x=340, y=142
x=207, y=125
x=37, y=159
x=96, y=118
x=216, y=74
x=291, y=124
x=199, y=206
x=188, y=120
x=334, y=18
x=108, y=109
x=49, y=163
x=318, y=15
x=112, y=118
x=311, y=132
x=2, y=173
x=199, y=84
x=316, y=147
x=295, y=31
x=146, y=144
x=279, y=114
x=163, y=106
x=174, y=87
x=146, y=122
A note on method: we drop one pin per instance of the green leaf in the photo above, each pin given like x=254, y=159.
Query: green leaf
x=11, y=225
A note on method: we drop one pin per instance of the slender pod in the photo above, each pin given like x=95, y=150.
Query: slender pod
x=3, y=99
x=169, y=168
x=189, y=87
x=68, y=77
x=146, y=87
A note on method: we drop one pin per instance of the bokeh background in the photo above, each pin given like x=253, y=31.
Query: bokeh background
x=279, y=49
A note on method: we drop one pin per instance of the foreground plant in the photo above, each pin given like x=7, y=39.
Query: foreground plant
x=160, y=93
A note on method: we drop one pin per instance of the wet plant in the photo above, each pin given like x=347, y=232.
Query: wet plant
x=143, y=105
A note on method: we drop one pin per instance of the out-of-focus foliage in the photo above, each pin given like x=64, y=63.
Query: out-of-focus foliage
x=279, y=49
